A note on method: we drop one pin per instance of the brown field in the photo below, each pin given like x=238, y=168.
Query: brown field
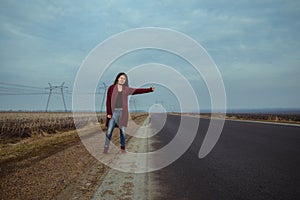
x=41, y=155
x=15, y=126
x=264, y=117
x=281, y=118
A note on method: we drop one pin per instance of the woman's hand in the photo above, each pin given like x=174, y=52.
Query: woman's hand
x=109, y=116
x=152, y=88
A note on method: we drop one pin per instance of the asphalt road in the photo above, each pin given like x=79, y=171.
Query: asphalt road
x=250, y=161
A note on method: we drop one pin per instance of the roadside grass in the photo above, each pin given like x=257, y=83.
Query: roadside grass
x=33, y=146
x=276, y=118
x=18, y=149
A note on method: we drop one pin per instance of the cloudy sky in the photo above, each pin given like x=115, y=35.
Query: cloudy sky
x=254, y=44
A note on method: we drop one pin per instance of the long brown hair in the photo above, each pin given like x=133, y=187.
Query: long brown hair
x=118, y=76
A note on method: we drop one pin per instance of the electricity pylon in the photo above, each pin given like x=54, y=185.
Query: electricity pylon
x=51, y=88
x=104, y=87
x=132, y=102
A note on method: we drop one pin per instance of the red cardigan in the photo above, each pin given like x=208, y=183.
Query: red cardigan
x=112, y=94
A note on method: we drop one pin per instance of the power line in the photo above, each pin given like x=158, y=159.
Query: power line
x=19, y=85
x=15, y=94
x=104, y=87
x=132, y=101
x=51, y=88
x=18, y=89
x=12, y=89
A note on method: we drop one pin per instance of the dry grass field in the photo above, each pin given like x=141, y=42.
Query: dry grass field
x=284, y=118
x=41, y=154
x=263, y=117
x=15, y=126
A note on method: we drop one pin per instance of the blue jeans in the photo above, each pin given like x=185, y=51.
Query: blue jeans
x=115, y=119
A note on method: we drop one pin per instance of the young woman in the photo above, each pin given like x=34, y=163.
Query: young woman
x=117, y=108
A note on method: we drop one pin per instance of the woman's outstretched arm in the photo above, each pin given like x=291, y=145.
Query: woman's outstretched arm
x=133, y=91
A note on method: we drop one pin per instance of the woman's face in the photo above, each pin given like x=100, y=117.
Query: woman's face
x=122, y=79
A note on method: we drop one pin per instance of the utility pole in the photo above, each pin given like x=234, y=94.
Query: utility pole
x=51, y=88
x=172, y=108
x=104, y=87
x=132, y=101
x=49, y=96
